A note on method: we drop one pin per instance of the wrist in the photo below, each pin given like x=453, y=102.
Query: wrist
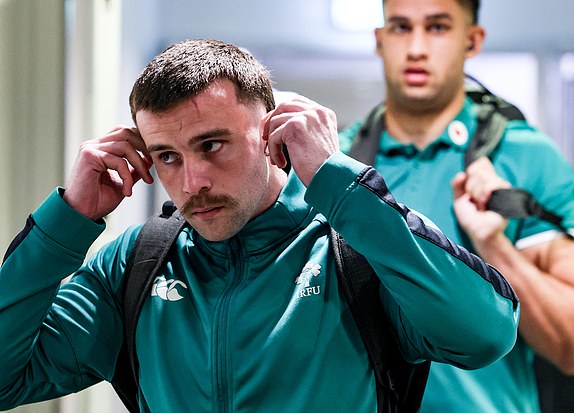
x=490, y=244
x=69, y=200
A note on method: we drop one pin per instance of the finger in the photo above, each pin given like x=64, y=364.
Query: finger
x=480, y=164
x=458, y=184
x=265, y=125
x=275, y=147
x=475, y=188
x=119, y=167
x=299, y=104
x=276, y=155
x=272, y=135
x=123, y=134
x=125, y=149
x=137, y=141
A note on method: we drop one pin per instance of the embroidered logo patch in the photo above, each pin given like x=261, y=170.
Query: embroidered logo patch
x=310, y=270
x=458, y=132
x=168, y=290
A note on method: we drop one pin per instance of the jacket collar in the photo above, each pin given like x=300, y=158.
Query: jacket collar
x=285, y=217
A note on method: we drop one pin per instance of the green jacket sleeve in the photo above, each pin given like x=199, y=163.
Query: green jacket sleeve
x=447, y=304
x=37, y=318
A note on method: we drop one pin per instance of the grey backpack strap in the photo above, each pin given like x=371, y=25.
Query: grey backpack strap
x=489, y=131
x=366, y=143
x=480, y=94
x=400, y=384
x=509, y=202
x=151, y=247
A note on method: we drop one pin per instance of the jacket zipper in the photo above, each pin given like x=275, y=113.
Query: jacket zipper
x=221, y=326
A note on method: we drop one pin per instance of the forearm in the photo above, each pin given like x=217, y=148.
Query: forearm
x=460, y=305
x=547, y=299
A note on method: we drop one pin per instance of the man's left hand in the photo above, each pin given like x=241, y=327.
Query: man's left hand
x=307, y=129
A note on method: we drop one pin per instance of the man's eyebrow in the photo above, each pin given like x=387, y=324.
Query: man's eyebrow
x=215, y=133
x=402, y=19
x=396, y=19
x=439, y=16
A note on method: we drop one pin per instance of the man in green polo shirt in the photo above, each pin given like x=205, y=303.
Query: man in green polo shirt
x=429, y=122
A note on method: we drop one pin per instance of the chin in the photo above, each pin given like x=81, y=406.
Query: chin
x=214, y=235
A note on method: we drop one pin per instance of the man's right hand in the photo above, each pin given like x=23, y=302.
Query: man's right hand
x=105, y=171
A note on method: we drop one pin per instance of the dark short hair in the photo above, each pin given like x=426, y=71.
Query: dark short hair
x=472, y=6
x=187, y=68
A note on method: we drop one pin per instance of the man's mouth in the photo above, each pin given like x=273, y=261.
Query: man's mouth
x=206, y=212
x=416, y=76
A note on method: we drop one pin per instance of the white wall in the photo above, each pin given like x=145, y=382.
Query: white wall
x=302, y=24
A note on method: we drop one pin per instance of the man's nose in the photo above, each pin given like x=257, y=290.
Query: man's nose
x=196, y=177
x=418, y=46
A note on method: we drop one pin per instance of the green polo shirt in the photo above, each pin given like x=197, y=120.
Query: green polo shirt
x=421, y=179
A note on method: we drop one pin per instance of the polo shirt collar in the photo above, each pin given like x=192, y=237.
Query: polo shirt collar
x=457, y=134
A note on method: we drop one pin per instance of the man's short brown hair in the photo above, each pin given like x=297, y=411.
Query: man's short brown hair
x=187, y=68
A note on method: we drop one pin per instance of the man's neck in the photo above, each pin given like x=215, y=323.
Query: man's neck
x=420, y=127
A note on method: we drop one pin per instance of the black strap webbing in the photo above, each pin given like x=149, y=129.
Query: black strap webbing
x=400, y=385
x=148, y=254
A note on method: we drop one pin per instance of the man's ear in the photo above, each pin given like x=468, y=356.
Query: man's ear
x=476, y=35
x=379, y=41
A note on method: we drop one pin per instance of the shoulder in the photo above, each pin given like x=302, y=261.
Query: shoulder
x=531, y=155
x=525, y=142
x=111, y=259
x=519, y=131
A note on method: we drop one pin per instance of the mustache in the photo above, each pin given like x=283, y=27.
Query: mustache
x=204, y=199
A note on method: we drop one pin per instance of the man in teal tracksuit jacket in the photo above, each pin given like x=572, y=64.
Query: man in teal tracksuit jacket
x=246, y=315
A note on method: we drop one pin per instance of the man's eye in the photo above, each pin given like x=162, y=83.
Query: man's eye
x=211, y=146
x=399, y=28
x=438, y=28
x=167, y=157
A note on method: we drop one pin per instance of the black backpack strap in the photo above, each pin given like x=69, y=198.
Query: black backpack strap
x=150, y=250
x=519, y=203
x=366, y=143
x=400, y=384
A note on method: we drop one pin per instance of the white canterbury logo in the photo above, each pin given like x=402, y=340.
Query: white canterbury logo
x=309, y=271
x=168, y=290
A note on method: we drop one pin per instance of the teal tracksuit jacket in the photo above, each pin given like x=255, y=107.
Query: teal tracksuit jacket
x=255, y=323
